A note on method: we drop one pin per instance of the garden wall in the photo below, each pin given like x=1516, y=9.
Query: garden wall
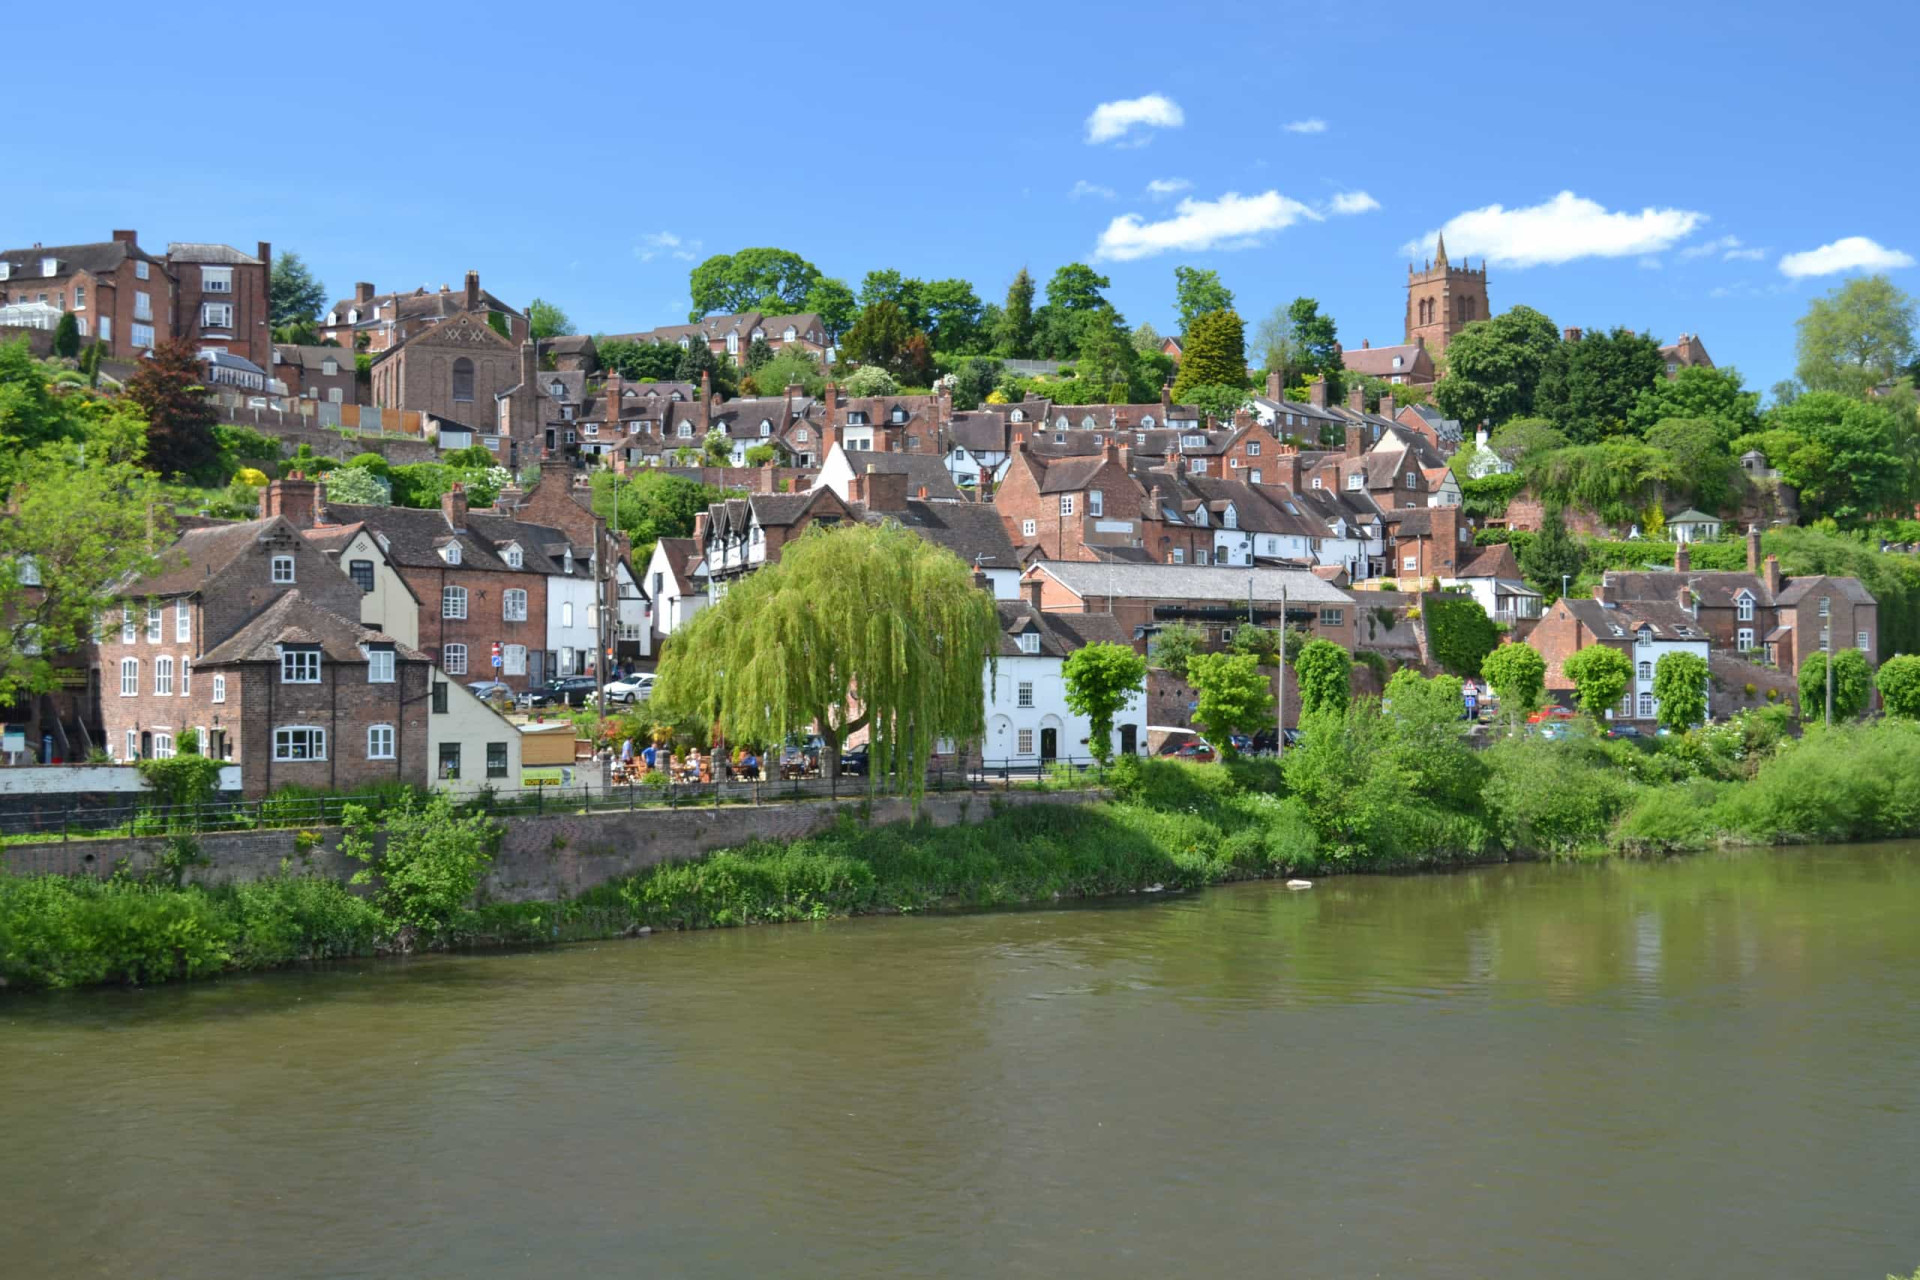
x=540, y=857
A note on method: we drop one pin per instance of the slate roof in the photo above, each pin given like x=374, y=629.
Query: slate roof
x=213, y=254
x=971, y=530
x=312, y=357
x=921, y=469
x=1191, y=582
x=1798, y=589
x=1491, y=562
x=1377, y=362
x=200, y=554
x=100, y=259
x=413, y=536
x=680, y=553
x=1716, y=588
x=1667, y=621
x=294, y=620
x=978, y=432
x=1060, y=633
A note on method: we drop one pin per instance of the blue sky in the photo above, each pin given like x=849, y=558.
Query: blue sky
x=1722, y=163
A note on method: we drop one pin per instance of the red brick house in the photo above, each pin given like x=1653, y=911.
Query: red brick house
x=1407, y=363
x=370, y=321
x=221, y=298
x=1080, y=507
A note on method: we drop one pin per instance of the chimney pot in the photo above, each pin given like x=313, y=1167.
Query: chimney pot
x=473, y=290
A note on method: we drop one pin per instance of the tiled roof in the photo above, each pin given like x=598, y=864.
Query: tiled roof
x=292, y=619
x=216, y=254
x=1377, y=362
x=971, y=530
x=1191, y=582
x=99, y=259
x=1060, y=633
x=201, y=553
x=928, y=470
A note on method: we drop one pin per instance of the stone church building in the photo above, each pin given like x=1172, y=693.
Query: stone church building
x=1443, y=299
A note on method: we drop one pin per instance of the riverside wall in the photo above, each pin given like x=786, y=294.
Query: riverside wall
x=553, y=855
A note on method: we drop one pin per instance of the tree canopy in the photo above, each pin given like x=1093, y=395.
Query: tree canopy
x=1073, y=294
x=1852, y=685
x=180, y=417
x=1856, y=337
x=750, y=279
x=1696, y=391
x=1589, y=387
x=1899, y=686
x=1233, y=697
x=1680, y=689
x=1494, y=367
x=1600, y=675
x=294, y=294
x=1214, y=353
x=1101, y=679
x=1459, y=633
x=1851, y=460
x=1325, y=671
x=1196, y=292
x=1518, y=675
x=546, y=320
x=1013, y=337
x=638, y=361
x=854, y=627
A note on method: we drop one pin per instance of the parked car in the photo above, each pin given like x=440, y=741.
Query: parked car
x=490, y=690
x=1550, y=714
x=853, y=762
x=1624, y=731
x=1195, y=750
x=567, y=691
x=634, y=688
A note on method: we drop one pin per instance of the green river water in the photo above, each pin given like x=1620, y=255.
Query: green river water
x=1705, y=1067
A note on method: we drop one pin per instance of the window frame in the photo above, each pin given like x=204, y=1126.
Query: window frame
x=219, y=688
x=453, y=602
x=129, y=677
x=163, y=676
x=509, y=599
x=300, y=665
x=448, y=654
x=279, y=563
x=382, y=665
x=283, y=744
x=380, y=736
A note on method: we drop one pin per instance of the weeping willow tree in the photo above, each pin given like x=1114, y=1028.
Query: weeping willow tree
x=855, y=627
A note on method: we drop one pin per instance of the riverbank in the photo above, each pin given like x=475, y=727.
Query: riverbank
x=1169, y=825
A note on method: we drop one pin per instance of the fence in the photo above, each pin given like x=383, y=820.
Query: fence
x=55, y=821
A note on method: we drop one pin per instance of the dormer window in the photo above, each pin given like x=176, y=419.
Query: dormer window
x=1146, y=422
x=300, y=666
x=556, y=388
x=333, y=318
x=685, y=343
x=282, y=569
x=899, y=414
x=1645, y=638
x=329, y=366
x=789, y=334
x=1017, y=415
x=1231, y=518
x=756, y=335
x=1354, y=481
x=515, y=558
x=566, y=562
x=353, y=316
x=1396, y=362
x=686, y=431
x=451, y=553
x=766, y=428
x=1743, y=606
x=140, y=272
x=1413, y=479
x=49, y=266
x=1029, y=642
x=1060, y=422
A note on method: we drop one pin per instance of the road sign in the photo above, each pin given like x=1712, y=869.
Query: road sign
x=497, y=660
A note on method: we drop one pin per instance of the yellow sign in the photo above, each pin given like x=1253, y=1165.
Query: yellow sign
x=550, y=776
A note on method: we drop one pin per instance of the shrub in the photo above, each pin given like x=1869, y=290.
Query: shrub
x=430, y=864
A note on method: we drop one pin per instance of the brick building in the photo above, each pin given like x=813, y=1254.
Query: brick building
x=739, y=535
x=1408, y=364
x=1643, y=631
x=325, y=374
x=1687, y=352
x=376, y=322
x=458, y=368
x=1443, y=299
x=1082, y=507
x=222, y=298
x=1145, y=597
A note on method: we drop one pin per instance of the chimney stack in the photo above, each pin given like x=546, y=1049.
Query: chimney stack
x=1366, y=343
x=1387, y=405
x=1290, y=469
x=1317, y=392
x=295, y=497
x=981, y=580
x=1032, y=587
x=1571, y=335
x=700, y=529
x=1771, y=568
x=363, y=292
x=1357, y=398
x=1420, y=341
x=1274, y=389
x=453, y=505
x=1355, y=445
x=129, y=238
x=1753, y=549
x=1682, y=559
x=879, y=490
x=473, y=290
x=1166, y=401
x=1242, y=419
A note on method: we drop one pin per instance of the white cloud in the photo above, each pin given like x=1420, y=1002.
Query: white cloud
x=1233, y=221
x=653, y=245
x=1729, y=249
x=1559, y=230
x=1161, y=188
x=1850, y=253
x=1115, y=121
x=1314, y=125
x=1083, y=188
x=1651, y=264
x=1354, y=202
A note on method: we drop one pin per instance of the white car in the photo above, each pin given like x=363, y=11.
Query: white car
x=637, y=688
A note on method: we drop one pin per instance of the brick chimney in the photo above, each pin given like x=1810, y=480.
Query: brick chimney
x=1357, y=398
x=880, y=490
x=1166, y=401
x=453, y=505
x=1366, y=343
x=700, y=529
x=1387, y=406
x=1274, y=387
x=1242, y=419
x=363, y=292
x=1420, y=342
x=981, y=580
x=1317, y=393
x=1753, y=548
x=1771, y=572
x=129, y=238
x=295, y=497
x=1032, y=587
x=508, y=500
x=1355, y=444
x=1445, y=558
x=1571, y=335
x=473, y=290
x=1682, y=559
x=1290, y=469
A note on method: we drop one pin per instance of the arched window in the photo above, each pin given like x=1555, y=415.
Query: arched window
x=463, y=379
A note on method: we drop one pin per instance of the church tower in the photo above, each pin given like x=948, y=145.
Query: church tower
x=1443, y=299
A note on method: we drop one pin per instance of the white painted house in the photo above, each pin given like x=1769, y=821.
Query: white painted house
x=470, y=746
x=1028, y=723
x=670, y=585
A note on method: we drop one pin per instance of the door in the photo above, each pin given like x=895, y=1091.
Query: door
x=1129, y=739
x=536, y=668
x=550, y=439
x=1049, y=745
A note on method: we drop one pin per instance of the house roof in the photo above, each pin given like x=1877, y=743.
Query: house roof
x=1190, y=582
x=1060, y=633
x=98, y=259
x=978, y=432
x=313, y=357
x=921, y=469
x=971, y=530
x=679, y=553
x=414, y=536
x=1617, y=621
x=294, y=620
x=1378, y=362
x=214, y=254
x=1491, y=562
x=1851, y=589
x=199, y=554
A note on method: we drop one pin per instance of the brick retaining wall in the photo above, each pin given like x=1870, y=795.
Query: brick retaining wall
x=540, y=857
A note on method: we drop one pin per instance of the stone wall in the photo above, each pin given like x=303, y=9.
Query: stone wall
x=540, y=857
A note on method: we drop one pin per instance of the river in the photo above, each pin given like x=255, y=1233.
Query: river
x=1705, y=1067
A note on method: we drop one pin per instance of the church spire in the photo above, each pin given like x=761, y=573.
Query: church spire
x=1440, y=252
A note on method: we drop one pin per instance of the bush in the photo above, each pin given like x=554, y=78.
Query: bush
x=1667, y=820
x=430, y=863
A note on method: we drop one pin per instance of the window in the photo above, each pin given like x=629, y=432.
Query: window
x=1413, y=479
x=1743, y=639
x=1860, y=640
x=216, y=315
x=300, y=742
x=451, y=553
x=1332, y=617
x=1066, y=504
x=788, y=335
x=496, y=759
x=1179, y=556
x=799, y=435
x=182, y=621
x=1029, y=642
x=513, y=659
x=1410, y=564
x=143, y=306
x=1826, y=640
x=162, y=745
x=1253, y=476
x=299, y=666
x=440, y=697
x=513, y=605
x=379, y=666
x=566, y=613
x=733, y=344
x=453, y=602
x=129, y=677
x=1743, y=604
x=1096, y=502
x=361, y=571
x=1028, y=528
x=450, y=761
x=163, y=677
x=81, y=325
x=1316, y=482
x=1024, y=694
x=139, y=269
x=79, y=297
x=1644, y=639
x=379, y=742
x=219, y=688
x=186, y=675
x=106, y=328
x=143, y=336
x=766, y=428
x=283, y=568
x=463, y=379
x=133, y=746
x=1825, y=604
x=329, y=366
x=1646, y=706
x=1253, y=448
x=1354, y=480
x=454, y=659
x=1025, y=742
x=1646, y=671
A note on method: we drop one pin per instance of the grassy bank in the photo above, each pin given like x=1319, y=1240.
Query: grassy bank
x=1369, y=799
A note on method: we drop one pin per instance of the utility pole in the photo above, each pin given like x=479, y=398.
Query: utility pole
x=1826, y=647
x=1280, y=703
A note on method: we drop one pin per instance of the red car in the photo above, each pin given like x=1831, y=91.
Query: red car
x=1547, y=715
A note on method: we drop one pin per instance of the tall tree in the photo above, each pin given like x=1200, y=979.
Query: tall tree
x=879, y=336
x=1274, y=349
x=1326, y=677
x=1856, y=337
x=1316, y=342
x=545, y=320
x=1494, y=367
x=888, y=285
x=1013, y=338
x=1590, y=387
x=763, y=279
x=833, y=302
x=1680, y=689
x=1234, y=697
x=1460, y=635
x=1518, y=675
x=1554, y=556
x=697, y=358
x=1696, y=391
x=294, y=294
x=1214, y=354
x=1852, y=685
x=1147, y=339
x=759, y=355
x=953, y=315
x=855, y=627
x=180, y=417
x=66, y=336
x=1106, y=357
x=1198, y=291
x=1101, y=680
x=1600, y=675
x=72, y=534
x=1073, y=294
x=1851, y=460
